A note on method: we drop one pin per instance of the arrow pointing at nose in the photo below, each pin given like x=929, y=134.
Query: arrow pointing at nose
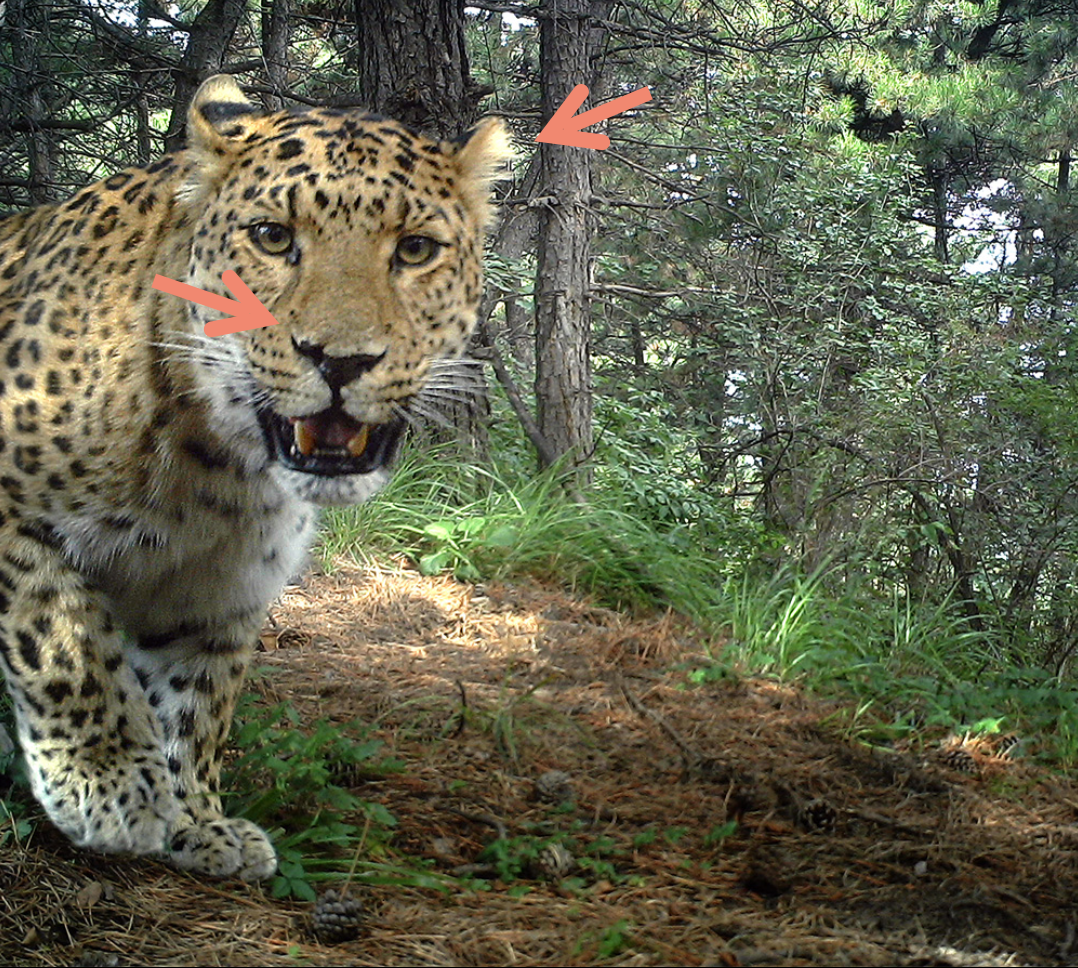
x=245, y=311
x=564, y=127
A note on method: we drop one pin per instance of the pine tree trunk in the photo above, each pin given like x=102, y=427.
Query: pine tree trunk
x=563, y=364
x=414, y=64
x=276, y=30
x=29, y=22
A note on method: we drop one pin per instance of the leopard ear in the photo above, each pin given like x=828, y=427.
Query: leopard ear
x=219, y=116
x=481, y=157
x=218, y=121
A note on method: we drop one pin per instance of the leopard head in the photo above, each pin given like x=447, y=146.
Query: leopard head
x=364, y=240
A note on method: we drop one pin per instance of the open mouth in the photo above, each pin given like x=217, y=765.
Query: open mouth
x=331, y=443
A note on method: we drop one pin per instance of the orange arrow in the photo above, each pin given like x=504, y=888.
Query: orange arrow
x=564, y=127
x=245, y=311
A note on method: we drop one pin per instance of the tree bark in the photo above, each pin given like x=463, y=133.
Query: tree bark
x=563, y=363
x=211, y=33
x=276, y=23
x=516, y=235
x=938, y=180
x=29, y=22
x=414, y=64
x=143, y=130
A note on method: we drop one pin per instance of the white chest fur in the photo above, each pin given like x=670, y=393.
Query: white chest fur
x=192, y=565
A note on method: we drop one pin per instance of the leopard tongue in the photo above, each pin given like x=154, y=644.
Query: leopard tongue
x=329, y=432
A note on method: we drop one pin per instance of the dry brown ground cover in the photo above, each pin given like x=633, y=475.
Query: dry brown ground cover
x=841, y=856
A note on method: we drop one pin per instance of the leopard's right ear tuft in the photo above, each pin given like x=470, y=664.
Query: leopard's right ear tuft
x=482, y=157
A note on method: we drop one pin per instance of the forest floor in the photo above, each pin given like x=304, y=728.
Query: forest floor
x=841, y=854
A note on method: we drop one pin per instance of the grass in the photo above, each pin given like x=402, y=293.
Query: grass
x=16, y=802
x=297, y=783
x=471, y=521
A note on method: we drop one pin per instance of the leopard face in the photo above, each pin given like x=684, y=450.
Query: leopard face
x=364, y=240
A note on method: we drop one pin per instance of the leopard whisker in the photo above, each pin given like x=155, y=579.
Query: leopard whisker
x=419, y=409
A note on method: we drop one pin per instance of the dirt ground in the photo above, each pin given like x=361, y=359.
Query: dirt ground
x=841, y=855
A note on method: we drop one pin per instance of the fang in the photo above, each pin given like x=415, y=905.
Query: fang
x=358, y=443
x=305, y=439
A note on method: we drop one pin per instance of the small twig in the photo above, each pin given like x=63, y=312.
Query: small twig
x=878, y=818
x=462, y=715
x=488, y=818
x=688, y=754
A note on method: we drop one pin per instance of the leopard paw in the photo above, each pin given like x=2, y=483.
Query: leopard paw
x=223, y=847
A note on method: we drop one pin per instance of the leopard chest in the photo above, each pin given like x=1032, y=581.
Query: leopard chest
x=192, y=566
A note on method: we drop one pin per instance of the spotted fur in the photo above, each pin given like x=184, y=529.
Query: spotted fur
x=157, y=486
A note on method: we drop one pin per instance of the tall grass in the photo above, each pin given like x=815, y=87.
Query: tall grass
x=784, y=624
x=472, y=521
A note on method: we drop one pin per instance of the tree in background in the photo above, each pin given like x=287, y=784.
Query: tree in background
x=563, y=378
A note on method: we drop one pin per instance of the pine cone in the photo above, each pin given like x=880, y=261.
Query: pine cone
x=959, y=760
x=337, y=917
x=554, y=786
x=554, y=862
x=817, y=814
x=1008, y=743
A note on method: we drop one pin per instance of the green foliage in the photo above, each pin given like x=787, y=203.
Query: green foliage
x=15, y=826
x=520, y=857
x=913, y=667
x=16, y=810
x=784, y=623
x=814, y=369
x=648, y=466
x=297, y=782
x=614, y=940
x=610, y=943
x=513, y=858
x=720, y=833
x=910, y=702
x=446, y=515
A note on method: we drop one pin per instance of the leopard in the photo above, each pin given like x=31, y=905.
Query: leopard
x=159, y=486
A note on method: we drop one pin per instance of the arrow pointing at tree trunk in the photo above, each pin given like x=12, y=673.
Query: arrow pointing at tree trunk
x=564, y=127
x=245, y=311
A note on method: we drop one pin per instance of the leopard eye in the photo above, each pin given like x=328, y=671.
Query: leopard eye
x=415, y=250
x=271, y=237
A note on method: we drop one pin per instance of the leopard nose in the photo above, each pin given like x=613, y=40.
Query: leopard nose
x=338, y=371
